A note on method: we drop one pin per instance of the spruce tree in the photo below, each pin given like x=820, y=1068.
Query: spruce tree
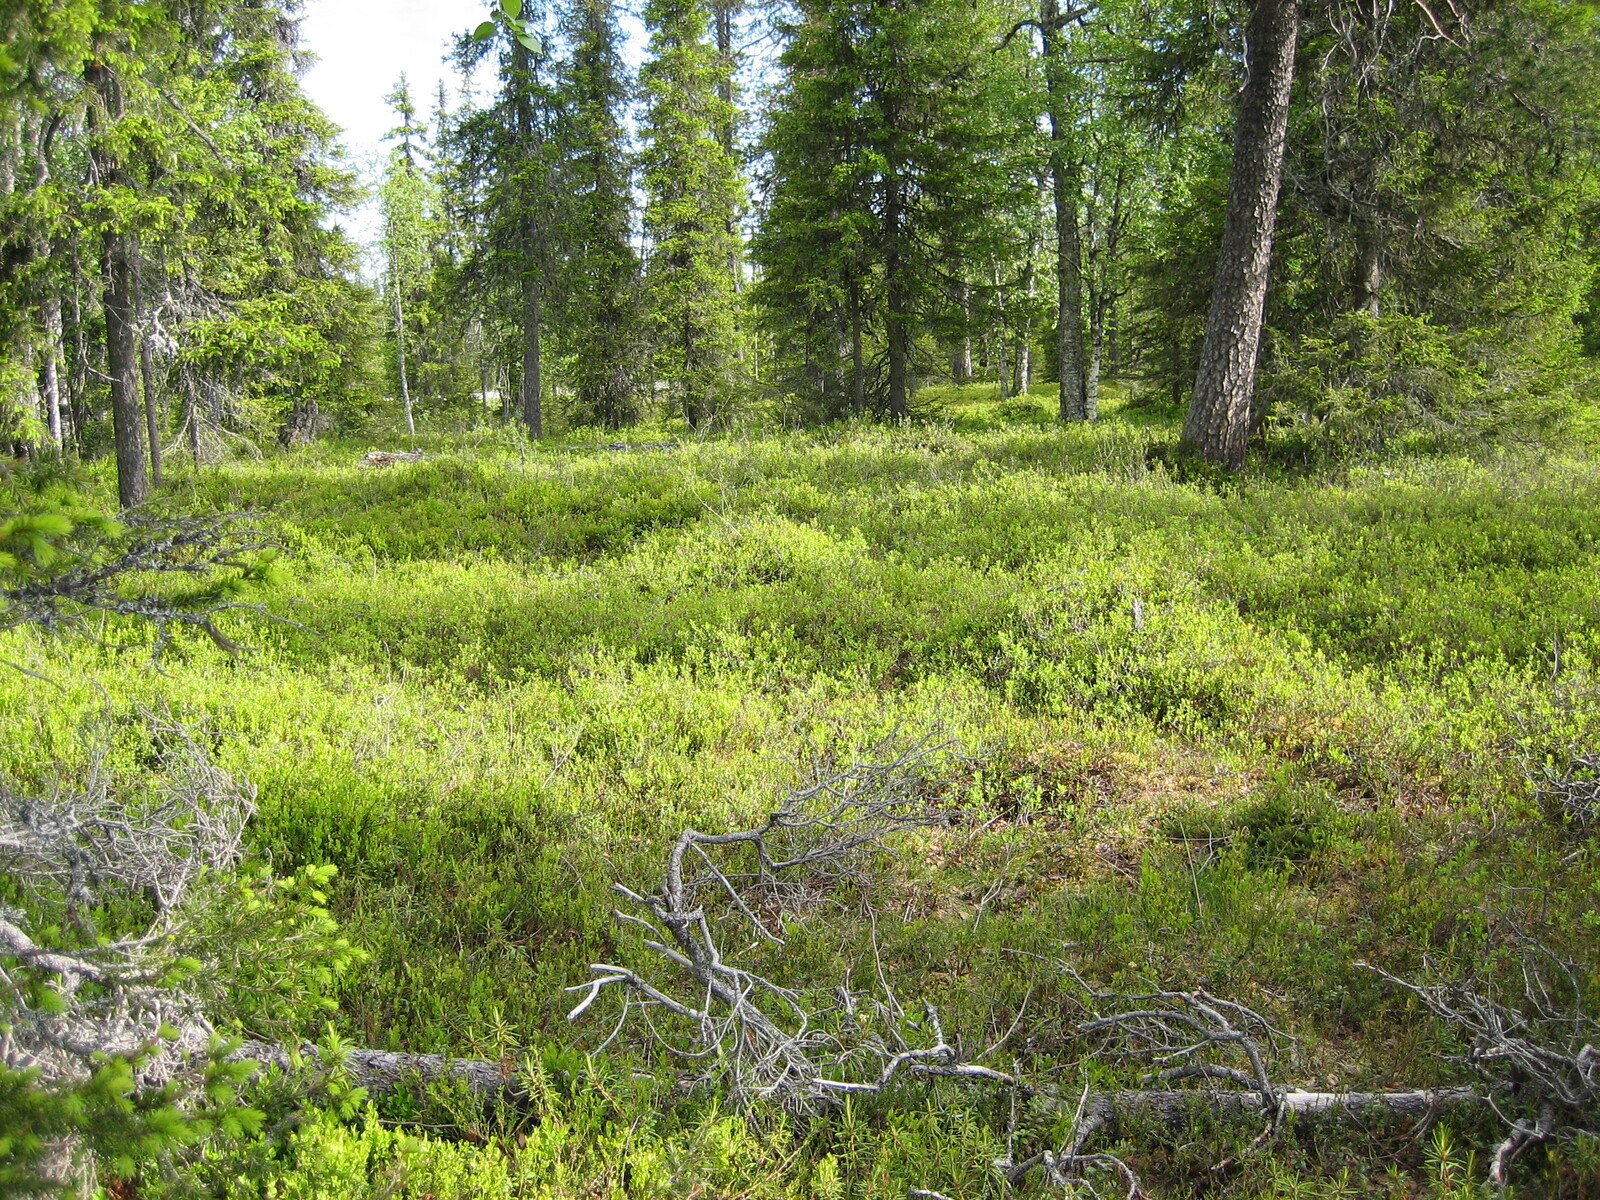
x=506, y=191
x=899, y=144
x=691, y=180
x=599, y=293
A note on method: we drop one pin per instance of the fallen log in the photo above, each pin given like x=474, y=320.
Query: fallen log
x=1173, y=1108
x=387, y=1070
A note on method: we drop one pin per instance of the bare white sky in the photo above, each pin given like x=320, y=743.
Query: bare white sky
x=363, y=46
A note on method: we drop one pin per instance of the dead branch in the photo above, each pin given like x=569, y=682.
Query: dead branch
x=203, y=558
x=67, y=851
x=1575, y=791
x=767, y=1039
x=1542, y=1056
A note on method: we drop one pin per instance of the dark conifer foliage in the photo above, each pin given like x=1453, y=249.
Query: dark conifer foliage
x=1321, y=220
x=599, y=294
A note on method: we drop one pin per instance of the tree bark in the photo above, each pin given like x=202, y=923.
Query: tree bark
x=152, y=419
x=1218, y=423
x=400, y=348
x=532, y=308
x=1091, y=381
x=1065, y=187
x=961, y=361
x=122, y=365
x=119, y=250
x=78, y=368
x=50, y=369
x=858, y=359
x=898, y=316
x=1369, y=272
x=726, y=11
x=191, y=405
x=382, y=1071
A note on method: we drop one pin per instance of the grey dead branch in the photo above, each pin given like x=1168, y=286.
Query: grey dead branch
x=388, y=458
x=1575, y=791
x=193, y=554
x=755, y=1038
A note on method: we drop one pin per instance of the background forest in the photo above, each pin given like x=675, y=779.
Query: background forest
x=961, y=598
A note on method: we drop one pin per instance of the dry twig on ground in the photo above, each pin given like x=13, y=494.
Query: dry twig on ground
x=70, y=850
x=766, y=1039
x=1540, y=1058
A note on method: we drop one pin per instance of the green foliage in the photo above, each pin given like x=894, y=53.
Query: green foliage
x=598, y=303
x=1244, y=734
x=900, y=144
x=1370, y=379
x=691, y=176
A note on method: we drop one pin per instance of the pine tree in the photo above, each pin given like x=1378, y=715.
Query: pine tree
x=691, y=180
x=194, y=252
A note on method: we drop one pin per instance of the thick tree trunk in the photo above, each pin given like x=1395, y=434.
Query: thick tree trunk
x=1218, y=424
x=898, y=316
x=1065, y=188
x=122, y=366
x=119, y=253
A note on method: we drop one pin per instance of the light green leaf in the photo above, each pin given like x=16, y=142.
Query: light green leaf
x=511, y=8
x=532, y=41
x=483, y=32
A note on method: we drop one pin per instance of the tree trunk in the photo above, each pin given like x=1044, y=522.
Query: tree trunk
x=898, y=316
x=858, y=359
x=961, y=363
x=500, y=1083
x=1002, y=337
x=78, y=368
x=50, y=368
x=400, y=348
x=727, y=134
x=1369, y=272
x=1030, y=287
x=147, y=374
x=1218, y=424
x=532, y=308
x=1091, y=379
x=120, y=250
x=191, y=403
x=1065, y=187
x=122, y=366
x=1113, y=342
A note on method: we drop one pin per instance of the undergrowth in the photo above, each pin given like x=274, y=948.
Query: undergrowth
x=1241, y=735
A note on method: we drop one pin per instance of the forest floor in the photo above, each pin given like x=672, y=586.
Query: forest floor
x=1240, y=736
